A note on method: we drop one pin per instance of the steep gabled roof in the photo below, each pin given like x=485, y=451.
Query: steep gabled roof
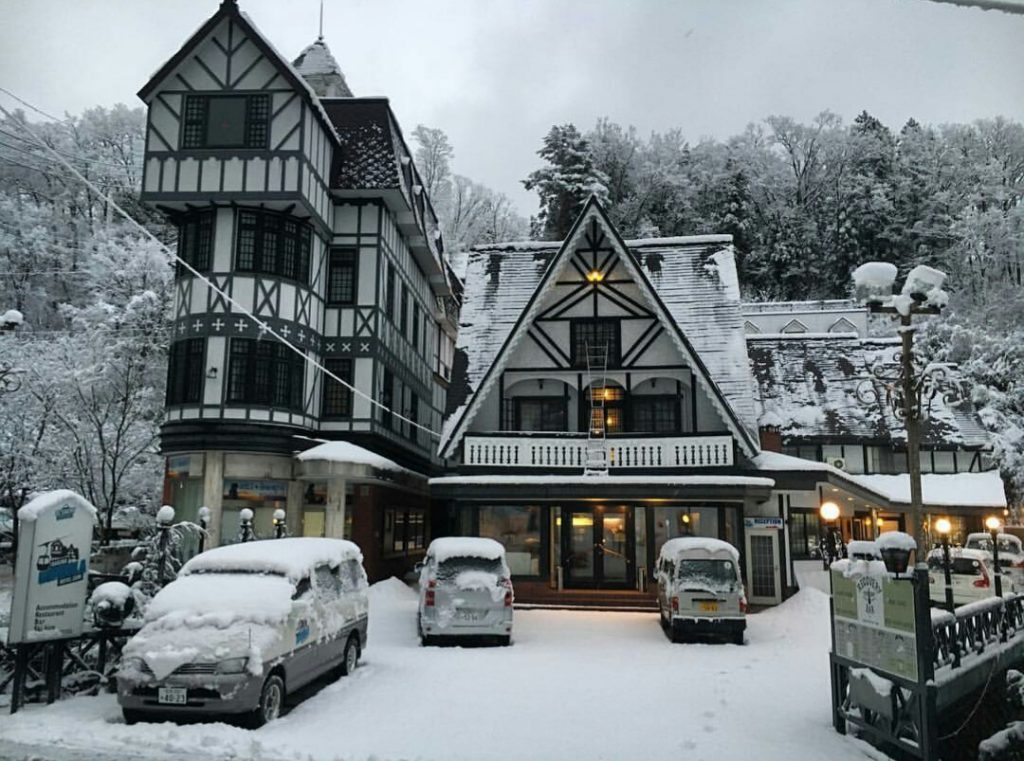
x=693, y=293
x=229, y=10
x=318, y=66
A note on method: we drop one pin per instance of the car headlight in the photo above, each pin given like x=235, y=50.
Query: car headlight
x=232, y=666
x=132, y=664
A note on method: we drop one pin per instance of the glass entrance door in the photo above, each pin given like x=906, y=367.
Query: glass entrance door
x=599, y=548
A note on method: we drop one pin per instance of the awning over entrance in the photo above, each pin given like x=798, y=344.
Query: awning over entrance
x=709, y=487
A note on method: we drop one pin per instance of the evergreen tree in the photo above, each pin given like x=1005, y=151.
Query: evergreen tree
x=565, y=184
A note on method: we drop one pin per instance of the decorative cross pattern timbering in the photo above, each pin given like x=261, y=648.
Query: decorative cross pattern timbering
x=184, y=305
x=217, y=325
x=303, y=305
x=241, y=325
x=215, y=302
x=364, y=321
x=285, y=331
x=268, y=293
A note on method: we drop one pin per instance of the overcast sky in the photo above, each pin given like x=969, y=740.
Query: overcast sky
x=496, y=75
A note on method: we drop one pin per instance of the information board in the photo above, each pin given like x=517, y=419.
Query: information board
x=50, y=582
x=874, y=622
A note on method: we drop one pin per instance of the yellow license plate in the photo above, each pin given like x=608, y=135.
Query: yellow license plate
x=709, y=606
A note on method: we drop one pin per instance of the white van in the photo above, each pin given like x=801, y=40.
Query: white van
x=244, y=625
x=465, y=590
x=700, y=591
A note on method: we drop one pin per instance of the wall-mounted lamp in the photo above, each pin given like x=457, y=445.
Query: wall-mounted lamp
x=540, y=383
x=212, y=373
x=595, y=276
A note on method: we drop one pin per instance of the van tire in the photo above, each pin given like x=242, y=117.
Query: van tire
x=737, y=638
x=350, y=659
x=131, y=716
x=505, y=641
x=270, y=705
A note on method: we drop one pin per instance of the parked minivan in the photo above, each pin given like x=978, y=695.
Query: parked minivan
x=244, y=625
x=465, y=591
x=700, y=591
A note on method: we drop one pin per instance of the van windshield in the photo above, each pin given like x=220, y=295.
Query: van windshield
x=718, y=575
x=452, y=567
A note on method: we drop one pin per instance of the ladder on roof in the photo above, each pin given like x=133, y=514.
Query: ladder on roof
x=597, y=380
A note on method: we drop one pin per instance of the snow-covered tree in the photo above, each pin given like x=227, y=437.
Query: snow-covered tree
x=569, y=178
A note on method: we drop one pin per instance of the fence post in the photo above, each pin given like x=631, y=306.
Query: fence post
x=925, y=665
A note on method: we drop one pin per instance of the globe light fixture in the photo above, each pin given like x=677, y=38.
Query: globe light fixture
x=943, y=526
x=829, y=511
x=992, y=523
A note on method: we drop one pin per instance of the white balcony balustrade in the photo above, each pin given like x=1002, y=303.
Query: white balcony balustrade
x=526, y=450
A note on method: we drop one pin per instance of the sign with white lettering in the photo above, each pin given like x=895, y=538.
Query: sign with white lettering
x=759, y=522
x=50, y=581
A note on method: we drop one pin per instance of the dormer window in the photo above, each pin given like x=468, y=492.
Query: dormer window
x=226, y=121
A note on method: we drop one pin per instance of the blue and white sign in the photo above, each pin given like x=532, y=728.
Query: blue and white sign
x=51, y=570
x=759, y=522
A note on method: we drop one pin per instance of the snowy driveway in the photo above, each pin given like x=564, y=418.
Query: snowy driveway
x=574, y=685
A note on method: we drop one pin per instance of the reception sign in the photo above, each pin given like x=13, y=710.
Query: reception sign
x=874, y=622
x=50, y=584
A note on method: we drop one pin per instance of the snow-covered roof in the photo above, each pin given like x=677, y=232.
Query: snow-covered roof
x=49, y=499
x=294, y=557
x=449, y=547
x=694, y=277
x=814, y=384
x=347, y=452
x=949, y=489
x=698, y=545
x=318, y=66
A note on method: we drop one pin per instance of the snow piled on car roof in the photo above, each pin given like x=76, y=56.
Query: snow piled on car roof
x=219, y=600
x=698, y=544
x=293, y=557
x=465, y=547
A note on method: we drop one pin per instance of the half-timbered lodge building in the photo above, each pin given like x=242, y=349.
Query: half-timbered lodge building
x=302, y=205
x=612, y=394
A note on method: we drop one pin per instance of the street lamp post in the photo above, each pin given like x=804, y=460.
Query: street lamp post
x=910, y=389
x=993, y=524
x=279, y=523
x=943, y=527
x=829, y=512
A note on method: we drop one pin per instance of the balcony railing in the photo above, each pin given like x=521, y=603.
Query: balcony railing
x=528, y=450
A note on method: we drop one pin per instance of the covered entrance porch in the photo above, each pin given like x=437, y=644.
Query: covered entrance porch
x=592, y=544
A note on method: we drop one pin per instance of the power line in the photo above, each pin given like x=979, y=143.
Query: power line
x=82, y=159
x=264, y=327
x=34, y=108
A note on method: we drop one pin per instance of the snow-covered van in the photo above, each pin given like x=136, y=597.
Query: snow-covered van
x=700, y=591
x=465, y=590
x=244, y=625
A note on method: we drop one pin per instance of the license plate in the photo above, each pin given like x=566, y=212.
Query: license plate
x=709, y=606
x=174, y=696
x=464, y=614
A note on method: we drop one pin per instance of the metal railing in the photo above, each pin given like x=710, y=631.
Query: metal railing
x=976, y=627
x=570, y=451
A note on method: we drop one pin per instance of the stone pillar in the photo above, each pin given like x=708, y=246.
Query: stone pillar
x=334, y=519
x=293, y=509
x=213, y=494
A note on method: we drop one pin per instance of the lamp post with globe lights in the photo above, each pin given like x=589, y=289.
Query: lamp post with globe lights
x=829, y=512
x=908, y=389
x=942, y=528
x=993, y=524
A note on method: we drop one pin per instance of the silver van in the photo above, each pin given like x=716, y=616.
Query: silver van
x=465, y=591
x=700, y=591
x=244, y=625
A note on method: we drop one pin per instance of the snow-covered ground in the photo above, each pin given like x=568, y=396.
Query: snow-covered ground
x=574, y=685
